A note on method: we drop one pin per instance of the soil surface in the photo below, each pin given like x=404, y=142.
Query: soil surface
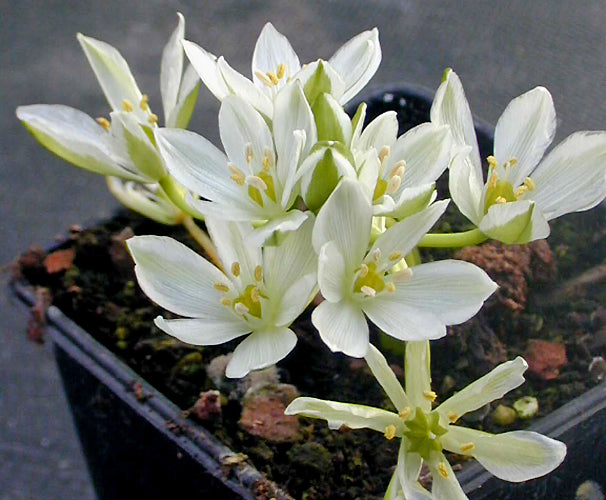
x=549, y=308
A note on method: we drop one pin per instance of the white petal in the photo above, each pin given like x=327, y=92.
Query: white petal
x=209, y=331
x=357, y=61
x=426, y=150
x=404, y=236
x=176, y=277
x=407, y=470
x=494, y=385
x=271, y=50
x=445, y=488
x=417, y=368
x=572, y=177
x=337, y=414
x=259, y=350
x=453, y=290
x=241, y=209
x=332, y=278
x=295, y=299
x=243, y=87
x=408, y=202
x=291, y=221
x=342, y=327
x=205, y=65
x=113, y=74
x=382, y=131
x=240, y=124
x=524, y=130
x=368, y=171
x=345, y=219
x=73, y=136
x=171, y=68
x=515, y=223
x=386, y=377
x=513, y=456
x=465, y=183
x=450, y=107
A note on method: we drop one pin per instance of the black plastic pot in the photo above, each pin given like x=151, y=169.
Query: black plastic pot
x=138, y=445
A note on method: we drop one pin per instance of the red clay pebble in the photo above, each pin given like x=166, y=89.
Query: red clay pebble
x=263, y=416
x=208, y=406
x=545, y=359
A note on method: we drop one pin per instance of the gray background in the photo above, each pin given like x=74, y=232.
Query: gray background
x=499, y=49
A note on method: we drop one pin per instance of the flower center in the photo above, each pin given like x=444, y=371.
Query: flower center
x=261, y=184
x=500, y=190
x=249, y=301
x=423, y=432
x=373, y=279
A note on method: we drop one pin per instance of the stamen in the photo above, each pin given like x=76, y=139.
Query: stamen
x=255, y=295
x=221, y=287
x=368, y=291
x=256, y=182
x=529, y=183
x=144, y=104
x=235, y=269
x=520, y=191
x=402, y=275
x=153, y=119
x=259, y=273
x=384, y=153
x=273, y=77
x=241, y=308
x=363, y=271
x=236, y=174
x=127, y=106
x=404, y=413
x=500, y=199
x=399, y=169
x=376, y=254
x=467, y=447
x=513, y=161
x=390, y=432
x=104, y=122
x=452, y=417
x=393, y=184
x=263, y=77
x=395, y=256
x=281, y=71
x=390, y=287
x=492, y=182
x=226, y=302
x=248, y=152
x=268, y=161
x=430, y=395
x=443, y=470
x=492, y=162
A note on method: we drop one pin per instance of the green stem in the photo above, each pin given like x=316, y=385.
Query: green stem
x=453, y=240
x=202, y=239
x=413, y=258
x=176, y=194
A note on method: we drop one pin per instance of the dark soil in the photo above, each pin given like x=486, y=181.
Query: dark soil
x=541, y=298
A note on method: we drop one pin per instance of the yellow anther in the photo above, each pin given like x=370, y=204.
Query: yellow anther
x=492, y=182
x=395, y=256
x=236, y=174
x=368, y=291
x=443, y=470
x=153, y=119
x=430, y=395
x=241, y=308
x=259, y=273
x=393, y=184
x=520, y=191
x=513, y=162
x=273, y=77
x=363, y=271
x=467, y=447
x=127, y=105
x=104, y=122
x=226, y=302
x=500, y=199
x=235, y=269
x=492, y=162
x=529, y=183
x=144, y=104
x=281, y=71
x=399, y=169
x=376, y=254
x=256, y=182
x=402, y=275
x=268, y=161
x=390, y=432
x=452, y=417
x=248, y=152
x=255, y=295
x=221, y=287
x=404, y=413
x=384, y=153
x=390, y=287
x=263, y=77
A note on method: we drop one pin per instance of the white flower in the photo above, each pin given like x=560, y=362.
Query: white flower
x=275, y=63
x=120, y=148
x=406, y=303
x=252, y=180
x=260, y=290
x=522, y=191
x=513, y=456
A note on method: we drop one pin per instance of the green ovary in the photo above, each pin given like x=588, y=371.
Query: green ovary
x=423, y=432
x=370, y=279
x=498, y=192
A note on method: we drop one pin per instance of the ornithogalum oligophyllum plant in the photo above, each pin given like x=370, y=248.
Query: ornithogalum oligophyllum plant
x=304, y=202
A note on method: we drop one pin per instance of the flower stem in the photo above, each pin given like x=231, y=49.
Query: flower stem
x=413, y=258
x=202, y=239
x=453, y=240
x=176, y=194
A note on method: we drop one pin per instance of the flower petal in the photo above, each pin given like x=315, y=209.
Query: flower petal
x=176, y=277
x=417, y=368
x=291, y=221
x=208, y=331
x=382, y=131
x=515, y=223
x=513, y=456
x=271, y=50
x=241, y=86
x=188, y=94
x=260, y=349
x=75, y=137
x=408, y=469
x=465, y=183
x=342, y=327
x=295, y=299
x=332, y=277
x=357, y=61
x=171, y=68
x=572, y=177
x=386, y=377
x=336, y=414
x=409, y=201
x=445, y=484
x=113, y=74
x=494, y=385
x=205, y=65
x=453, y=290
x=524, y=130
